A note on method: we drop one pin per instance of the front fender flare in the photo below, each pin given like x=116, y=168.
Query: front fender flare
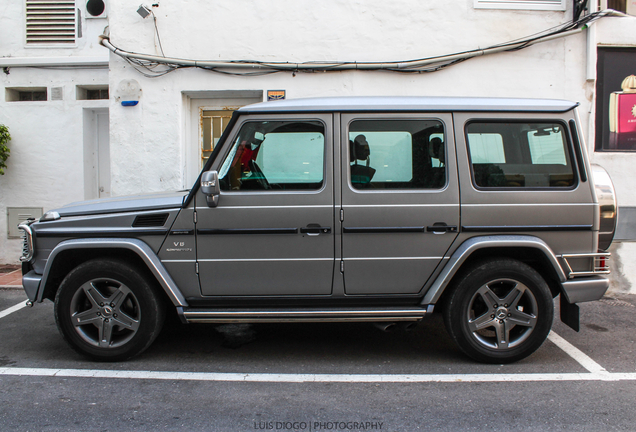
x=137, y=246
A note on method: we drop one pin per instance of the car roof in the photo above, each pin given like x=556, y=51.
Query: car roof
x=410, y=103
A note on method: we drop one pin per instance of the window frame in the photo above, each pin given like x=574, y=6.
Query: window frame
x=219, y=160
x=568, y=143
x=538, y=5
x=398, y=118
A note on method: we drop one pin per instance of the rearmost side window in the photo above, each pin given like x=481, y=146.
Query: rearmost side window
x=520, y=155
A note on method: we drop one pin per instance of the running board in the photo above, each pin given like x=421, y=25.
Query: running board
x=199, y=315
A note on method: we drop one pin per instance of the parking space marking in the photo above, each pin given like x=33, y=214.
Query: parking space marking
x=12, y=309
x=578, y=355
x=313, y=378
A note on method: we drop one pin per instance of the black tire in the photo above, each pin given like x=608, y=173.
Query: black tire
x=108, y=311
x=499, y=311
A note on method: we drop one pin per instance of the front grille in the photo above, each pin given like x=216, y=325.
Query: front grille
x=27, y=241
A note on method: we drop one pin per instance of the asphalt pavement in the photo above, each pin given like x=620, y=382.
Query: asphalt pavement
x=311, y=377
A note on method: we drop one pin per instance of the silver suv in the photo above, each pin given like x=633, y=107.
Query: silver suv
x=346, y=209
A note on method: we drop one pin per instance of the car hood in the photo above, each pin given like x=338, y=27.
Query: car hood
x=153, y=201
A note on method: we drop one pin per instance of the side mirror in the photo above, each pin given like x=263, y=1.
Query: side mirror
x=210, y=187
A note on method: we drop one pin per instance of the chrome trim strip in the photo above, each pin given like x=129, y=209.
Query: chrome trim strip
x=526, y=228
x=90, y=232
x=528, y=204
x=393, y=258
x=373, y=230
x=396, y=205
x=139, y=247
x=357, y=315
x=276, y=207
x=475, y=243
x=241, y=231
x=263, y=259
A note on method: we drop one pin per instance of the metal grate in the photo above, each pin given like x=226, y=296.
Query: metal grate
x=50, y=22
x=151, y=220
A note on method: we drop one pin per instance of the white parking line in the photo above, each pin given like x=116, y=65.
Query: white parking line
x=12, y=309
x=578, y=355
x=313, y=378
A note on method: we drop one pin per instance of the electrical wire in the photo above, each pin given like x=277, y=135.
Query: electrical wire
x=153, y=66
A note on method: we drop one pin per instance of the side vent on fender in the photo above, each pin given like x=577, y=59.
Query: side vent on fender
x=150, y=220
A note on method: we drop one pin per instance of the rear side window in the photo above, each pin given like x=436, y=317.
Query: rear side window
x=519, y=155
x=397, y=154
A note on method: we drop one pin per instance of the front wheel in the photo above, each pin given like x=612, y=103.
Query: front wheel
x=107, y=311
x=499, y=311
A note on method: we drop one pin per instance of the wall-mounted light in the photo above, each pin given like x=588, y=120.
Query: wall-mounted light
x=143, y=11
x=128, y=93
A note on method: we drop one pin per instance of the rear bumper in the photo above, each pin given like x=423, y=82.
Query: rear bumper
x=585, y=289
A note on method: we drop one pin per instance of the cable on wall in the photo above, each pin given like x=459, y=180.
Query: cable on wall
x=155, y=66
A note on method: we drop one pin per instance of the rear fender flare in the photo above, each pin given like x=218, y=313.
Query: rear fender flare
x=466, y=249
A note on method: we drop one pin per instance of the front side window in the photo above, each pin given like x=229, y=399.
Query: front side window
x=519, y=155
x=275, y=155
x=397, y=154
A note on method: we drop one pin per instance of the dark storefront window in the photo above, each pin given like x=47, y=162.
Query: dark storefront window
x=615, y=109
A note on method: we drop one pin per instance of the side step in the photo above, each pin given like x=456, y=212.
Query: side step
x=276, y=315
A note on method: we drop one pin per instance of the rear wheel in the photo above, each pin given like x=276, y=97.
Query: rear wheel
x=106, y=310
x=499, y=311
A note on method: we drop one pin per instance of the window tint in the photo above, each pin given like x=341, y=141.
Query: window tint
x=277, y=155
x=397, y=154
x=519, y=155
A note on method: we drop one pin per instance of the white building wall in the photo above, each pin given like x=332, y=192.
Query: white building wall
x=150, y=142
x=339, y=30
x=46, y=164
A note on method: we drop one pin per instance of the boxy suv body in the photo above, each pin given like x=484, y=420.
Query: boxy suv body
x=346, y=209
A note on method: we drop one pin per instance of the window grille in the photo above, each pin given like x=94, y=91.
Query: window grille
x=213, y=123
x=50, y=22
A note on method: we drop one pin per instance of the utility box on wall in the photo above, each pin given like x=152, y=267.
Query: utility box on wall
x=17, y=215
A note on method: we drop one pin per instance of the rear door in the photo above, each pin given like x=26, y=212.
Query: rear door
x=400, y=200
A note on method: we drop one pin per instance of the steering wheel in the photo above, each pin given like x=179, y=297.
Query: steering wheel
x=260, y=177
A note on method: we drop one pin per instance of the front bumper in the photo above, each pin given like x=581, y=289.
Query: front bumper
x=31, y=284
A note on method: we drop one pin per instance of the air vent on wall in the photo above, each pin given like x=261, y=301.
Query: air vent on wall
x=150, y=220
x=50, y=22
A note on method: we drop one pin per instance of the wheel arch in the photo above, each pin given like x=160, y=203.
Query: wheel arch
x=528, y=249
x=70, y=253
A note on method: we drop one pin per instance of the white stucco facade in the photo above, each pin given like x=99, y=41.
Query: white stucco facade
x=154, y=145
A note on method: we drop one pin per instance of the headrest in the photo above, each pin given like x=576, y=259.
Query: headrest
x=359, y=148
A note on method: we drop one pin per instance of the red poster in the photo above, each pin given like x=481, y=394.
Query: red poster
x=623, y=116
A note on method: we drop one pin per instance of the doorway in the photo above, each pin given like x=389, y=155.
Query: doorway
x=96, y=153
x=209, y=114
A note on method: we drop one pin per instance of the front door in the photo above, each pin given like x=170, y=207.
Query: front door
x=400, y=200
x=272, y=231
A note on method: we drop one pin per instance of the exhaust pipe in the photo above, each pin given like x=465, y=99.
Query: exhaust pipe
x=385, y=327
x=408, y=326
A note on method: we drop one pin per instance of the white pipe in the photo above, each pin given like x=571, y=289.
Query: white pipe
x=53, y=61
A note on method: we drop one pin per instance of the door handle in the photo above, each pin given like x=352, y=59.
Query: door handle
x=315, y=229
x=441, y=228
